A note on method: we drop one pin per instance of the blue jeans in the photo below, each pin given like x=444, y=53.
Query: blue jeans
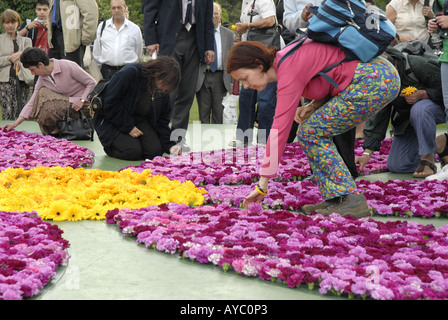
x=418, y=139
x=266, y=101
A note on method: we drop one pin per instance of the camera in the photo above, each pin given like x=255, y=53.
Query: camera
x=443, y=33
x=436, y=40
x=42, y=22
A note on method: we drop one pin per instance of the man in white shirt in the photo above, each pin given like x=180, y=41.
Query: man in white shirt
x=214, y=81
x=296, y=13
x=118, y=41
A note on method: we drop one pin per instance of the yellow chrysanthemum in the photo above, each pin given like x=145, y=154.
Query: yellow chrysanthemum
x=58, y=210
x=58, y=193
x=408, y=90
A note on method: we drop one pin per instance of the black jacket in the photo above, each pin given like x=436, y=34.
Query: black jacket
x=120, y=97
x=162, y=22
x=426, y=76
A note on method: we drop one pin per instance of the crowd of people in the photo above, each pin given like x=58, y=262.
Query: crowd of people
x=147, y=103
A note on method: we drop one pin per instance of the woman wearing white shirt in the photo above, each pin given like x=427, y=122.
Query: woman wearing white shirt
x=409, y=17
x=296, y=13
x=118, y=41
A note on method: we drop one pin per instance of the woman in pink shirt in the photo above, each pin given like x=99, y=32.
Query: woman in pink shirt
x=61, y=84
x=360, y=90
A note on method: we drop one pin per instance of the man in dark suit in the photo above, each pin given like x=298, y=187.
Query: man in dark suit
x=170, y=30
x=214, y=81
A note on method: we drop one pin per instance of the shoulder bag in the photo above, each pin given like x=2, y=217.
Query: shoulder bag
x=269, y=36
x=75, y=129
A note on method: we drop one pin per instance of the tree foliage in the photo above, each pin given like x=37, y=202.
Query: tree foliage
x=25, y=8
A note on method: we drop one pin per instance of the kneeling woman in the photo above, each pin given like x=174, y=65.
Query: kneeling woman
x=62, y=84
x=362, y=90
x=134, y=121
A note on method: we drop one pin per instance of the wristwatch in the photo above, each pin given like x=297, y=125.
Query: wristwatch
x=83, y=101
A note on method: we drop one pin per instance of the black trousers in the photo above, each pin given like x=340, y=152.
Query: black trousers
x=58, y=50
x=147, y=146
x=345, y=143
x=187, y=54
x=108, y=71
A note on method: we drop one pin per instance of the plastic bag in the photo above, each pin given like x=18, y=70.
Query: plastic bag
x=230, y=112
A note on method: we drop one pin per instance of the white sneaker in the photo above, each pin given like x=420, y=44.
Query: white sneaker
x=441, y=175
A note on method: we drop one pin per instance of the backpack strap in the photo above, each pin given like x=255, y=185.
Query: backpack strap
x=296, y=44
x=102, y=28
x=252, y=11
x=103, y=25
x=325, y=75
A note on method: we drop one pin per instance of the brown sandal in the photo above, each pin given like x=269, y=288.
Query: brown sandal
x=421, y=168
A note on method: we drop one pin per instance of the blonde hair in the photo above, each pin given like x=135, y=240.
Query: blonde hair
x=10, y=16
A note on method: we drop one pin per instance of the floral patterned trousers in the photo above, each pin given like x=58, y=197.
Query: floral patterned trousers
x=374, y=85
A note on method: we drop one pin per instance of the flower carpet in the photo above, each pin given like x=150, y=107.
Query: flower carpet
x=191, y=205
x=21, y=149
x=229, y=175
x=360, y=258
x=241, y=165
x=30, y=252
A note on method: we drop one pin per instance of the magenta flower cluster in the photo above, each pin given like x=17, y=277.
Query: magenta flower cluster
x=241, y=165
x=404, y=198
x=30, y=252
x=229, y=175
x=21, y=149
x=360, y=258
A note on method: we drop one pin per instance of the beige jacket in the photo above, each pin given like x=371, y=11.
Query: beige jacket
x=6, y=49
x=79, y=23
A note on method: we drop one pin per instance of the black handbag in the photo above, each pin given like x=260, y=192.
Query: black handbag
x=269, y=36
x=75, y=129
x=96, y=96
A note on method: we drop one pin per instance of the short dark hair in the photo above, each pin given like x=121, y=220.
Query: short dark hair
x=42, y=3
x=32, y=57
x=165, y=69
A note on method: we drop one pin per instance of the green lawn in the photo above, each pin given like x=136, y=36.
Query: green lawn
x=194, y=112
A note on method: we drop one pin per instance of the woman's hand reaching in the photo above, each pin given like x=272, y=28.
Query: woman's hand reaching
x=304, y=112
